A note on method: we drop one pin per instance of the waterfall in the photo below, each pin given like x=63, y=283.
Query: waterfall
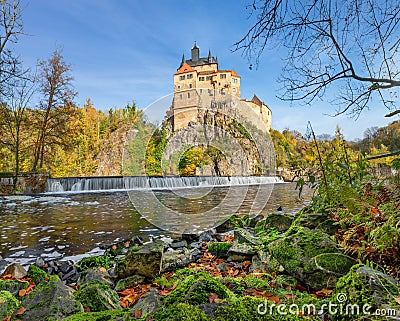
x=117, y=183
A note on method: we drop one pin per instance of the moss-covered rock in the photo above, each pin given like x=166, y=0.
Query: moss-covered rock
x=196, y=289
x=37, y=274
x=8, y=304
x=110, y=315
x=50, y=300
x=13, y=286
x=311, y=257
x=95, y=274
x=181, y=312
x=251, y=308
x=97, y=297
x=243, y=235
x=365, y=286
x=280, y=222
x=320, y=221
x=95, y=261
x=129, y=282
x=147, y=261
x=219, y=248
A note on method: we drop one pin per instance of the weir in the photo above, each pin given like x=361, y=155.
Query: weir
x=116, y=183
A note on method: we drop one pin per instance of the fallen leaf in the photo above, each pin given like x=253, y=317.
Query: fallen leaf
x=127, y=243
x=20, y=311
x=274, y=299
x=290, y=296
x=138, y=314
x=114, y=247
x=324, y=293
x=213, y=298
x=22, y=292
x=397, y=299
x=103, y=270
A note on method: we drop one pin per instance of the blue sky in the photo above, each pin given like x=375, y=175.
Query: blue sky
x=127, y=50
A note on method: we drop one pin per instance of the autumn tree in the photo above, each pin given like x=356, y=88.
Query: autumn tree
x=349, y=43
x=10, y=30
x=56, y=107
x=13, y=114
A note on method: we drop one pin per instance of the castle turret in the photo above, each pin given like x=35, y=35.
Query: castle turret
x=195, y=53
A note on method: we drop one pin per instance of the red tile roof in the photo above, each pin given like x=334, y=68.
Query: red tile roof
x=183, y=69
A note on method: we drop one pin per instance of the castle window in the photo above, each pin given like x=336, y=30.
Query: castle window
x=201, y=78
x=222, y=76
x=182, y=77
x=188, y=95
x=234, y=90
x=201, y=91
x=180, y=96
x=234, y=80
x=179, y=87
x=190, y=76
x=190, y=85
x=209, y=78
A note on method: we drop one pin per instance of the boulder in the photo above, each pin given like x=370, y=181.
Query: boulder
x=97, y=296
x=146, y=261
x=129, y=282
x=13, y=286
x=280, y=222
x=149, y=303
x=51, y=300
x=312, y=258
x=16, y=271
x=37, y=274
x=366, y=286
x=241, y=252
x=246, y=236
x=175, y=259
x=320, y=221
x=196, y=288
x=8, y=304
x=99, y=274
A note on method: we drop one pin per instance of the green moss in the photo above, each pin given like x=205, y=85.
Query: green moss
x=8, y=304
x=94, y=261
x=219, y=248
x=363, y=285
x=97, y=296
x=13, y=286
x=196, y=289
x=246, y=308
x=36, y=274
x=100, y=316
x=181, y=312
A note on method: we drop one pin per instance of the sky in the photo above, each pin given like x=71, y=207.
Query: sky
x=122, y=51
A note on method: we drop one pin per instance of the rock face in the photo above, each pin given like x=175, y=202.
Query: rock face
x=312, y=258
x=110, y=157
x=146, y=261
x=50, y=301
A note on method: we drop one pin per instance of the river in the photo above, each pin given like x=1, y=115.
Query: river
x=68, y=225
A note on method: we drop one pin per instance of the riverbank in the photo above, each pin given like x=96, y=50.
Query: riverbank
x=281, y=267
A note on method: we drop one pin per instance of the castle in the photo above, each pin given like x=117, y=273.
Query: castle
x=198, y=83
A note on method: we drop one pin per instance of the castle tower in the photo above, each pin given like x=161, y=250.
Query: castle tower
x=201, y=76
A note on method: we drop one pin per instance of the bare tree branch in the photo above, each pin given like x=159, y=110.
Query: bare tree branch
x=326, y=43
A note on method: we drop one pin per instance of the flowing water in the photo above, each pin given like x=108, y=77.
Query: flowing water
x=56, y=225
